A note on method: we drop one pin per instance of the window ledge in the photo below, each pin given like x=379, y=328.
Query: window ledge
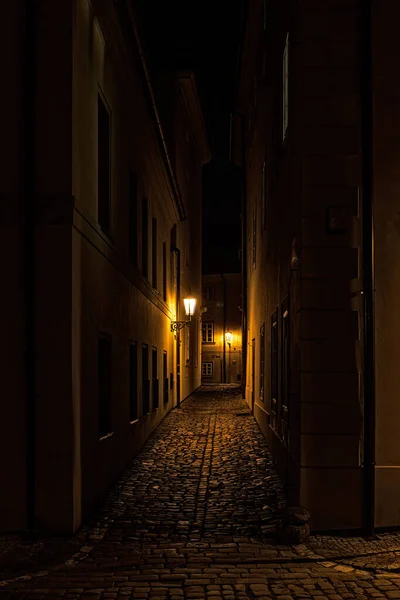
x=208, y=343
x=106, y=437
x=133, y=422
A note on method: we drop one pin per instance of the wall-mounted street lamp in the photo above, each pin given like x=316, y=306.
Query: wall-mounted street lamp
x=190, y=307
x=228, y=337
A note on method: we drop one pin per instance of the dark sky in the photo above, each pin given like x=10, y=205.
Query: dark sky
x=205, y=37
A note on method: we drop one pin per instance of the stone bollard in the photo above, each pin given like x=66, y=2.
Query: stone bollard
x=294, y=527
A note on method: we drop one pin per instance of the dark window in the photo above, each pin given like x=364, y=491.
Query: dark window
x=164, y=268
x=145, y=238
x=285, y=88
x=155, y=382
x=172, y=257
x=154, y=253
x=103, y=164
x=254, y=237
x=133, y=382
x=208, y=292
x=133, y=217
x=104, y=385
x=263, y=197
x=145, y=379
x=285, y=367
x=274, y=366
x=165, y=378
x=262, y=361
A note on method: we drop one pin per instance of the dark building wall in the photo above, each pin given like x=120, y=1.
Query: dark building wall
x=12, y=404
x=296, y=260
x=88, y=282
x=386, y=238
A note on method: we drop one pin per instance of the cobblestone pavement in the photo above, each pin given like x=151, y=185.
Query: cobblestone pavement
x=193, y=518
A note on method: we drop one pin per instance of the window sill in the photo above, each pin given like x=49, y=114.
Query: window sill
x=208, y=343
x=103, y=438
x=134, y=422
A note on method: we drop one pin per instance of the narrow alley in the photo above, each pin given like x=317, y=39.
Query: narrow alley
x=194, y=516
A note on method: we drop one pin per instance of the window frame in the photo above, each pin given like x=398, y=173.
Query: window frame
x=104, y=158
x=207, y=326
x=285, y=89
x=262, y=363
x=204, y=366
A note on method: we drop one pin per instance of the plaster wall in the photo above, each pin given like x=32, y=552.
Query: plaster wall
x=387, y=273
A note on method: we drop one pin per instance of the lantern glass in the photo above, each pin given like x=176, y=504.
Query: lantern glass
x=190, y=306
x=228, y=337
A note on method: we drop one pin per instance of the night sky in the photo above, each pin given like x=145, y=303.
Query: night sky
x=205, y=37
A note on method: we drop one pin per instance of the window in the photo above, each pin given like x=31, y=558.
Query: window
x=145, y=238
x=155, y=383
x=165, y=377
x=133, y=217
x=145, y=379
x=164, y=268
x=133, y=382
x=172, y=270
x=154, y=253
x=208, y=292
x=254, y=237
x=262, y=361
x=285, y=368
x=285, y=88
x=274, y=366
x=207, y=369
x=207, y=330
x=263, y=198
x=103, y=164
x=104, y=385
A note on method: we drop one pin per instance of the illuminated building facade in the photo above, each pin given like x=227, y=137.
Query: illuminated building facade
x=321, y=336
x=100, y=238
x=221, y=329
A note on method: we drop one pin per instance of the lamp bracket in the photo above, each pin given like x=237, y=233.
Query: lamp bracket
x=177, y=325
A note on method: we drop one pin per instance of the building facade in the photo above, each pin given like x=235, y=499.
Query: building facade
x=221, y=329
x=316, y=132
x=100, y=242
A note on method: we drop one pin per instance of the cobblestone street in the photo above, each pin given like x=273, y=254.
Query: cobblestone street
x=193, y=517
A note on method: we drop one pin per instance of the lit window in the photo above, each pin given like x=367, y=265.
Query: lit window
x=285, y=89
x=207, y=330
x=207, y=369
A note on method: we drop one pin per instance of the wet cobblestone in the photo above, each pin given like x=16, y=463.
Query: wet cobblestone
x=193, y=517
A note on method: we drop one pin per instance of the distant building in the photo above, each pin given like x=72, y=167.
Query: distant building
x=100, y=242
x=315, y=145
x=221, y=329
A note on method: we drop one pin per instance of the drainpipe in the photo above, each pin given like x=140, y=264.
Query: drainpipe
x=29, y=188
x=366, y=88
x=178, y=334
x=244, y=258
x=223, y=333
